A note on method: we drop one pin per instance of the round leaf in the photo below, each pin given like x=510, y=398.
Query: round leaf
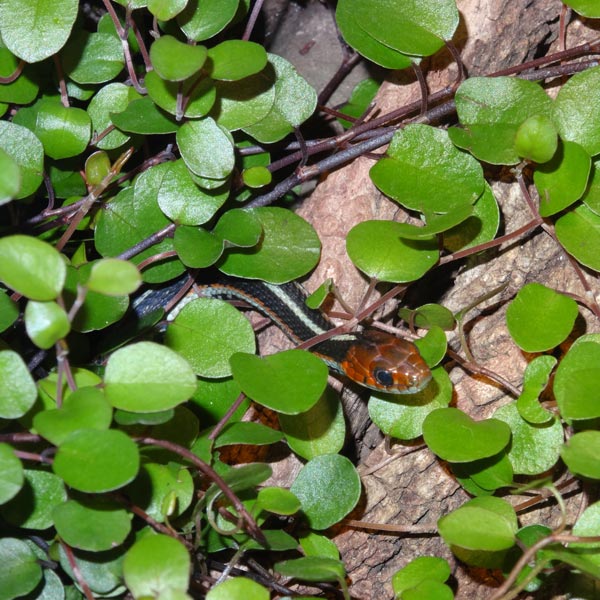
x=11, y=473
x=114, y=277
x=235, y=59
x=164, y=11
x=147, y=377
x=17, y=388
x=376, y=248
x=46, y=323
x=238, y=588
x=52, y=23
x=289, y=382
x=92, y=523
x=455, y=437
x=97, y=461
x=93, y=57
x=289, y=248
x=418, y=570
x=427, y=173
x=534, y=449
x=202, y=20
x=577, y=102
x=484, y=524
x=577, y=379
x=536, y=329
x=491, y=110
x=155, y=564
x=563, y=180
x=536, y=139
x=579, y=233
x=31, y=267
x=10, y=177
x=402, y=416
x=174, y=60
x=256, y=434
x=27, y=151
x=32, y=507
x=85, y=408
x=196, y=247
x=205, y=148
x=535, y=380
x=143, y=116
x=581, y=454
x=207, y=332
x=319, y=430
x=9, y=311
x=328, y=488
x=21, y=570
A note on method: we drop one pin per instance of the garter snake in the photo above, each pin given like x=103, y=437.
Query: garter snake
x=372, y=358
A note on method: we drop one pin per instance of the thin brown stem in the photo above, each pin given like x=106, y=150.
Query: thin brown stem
x=14, y=75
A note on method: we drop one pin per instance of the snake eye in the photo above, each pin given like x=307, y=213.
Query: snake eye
x=383, y=377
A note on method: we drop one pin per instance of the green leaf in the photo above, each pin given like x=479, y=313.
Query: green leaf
x=278, y=501
x=316, y=544
x=328, y=488
x=578, y=231
x=433, y=590
x=148, y=377
x=402, y=416
x=11, y=473
x=21, y=91
x=484, y=476
x=85, y=408
x=536, y=139
x=110, y=98
x=433, y=346
x=408, y=26
x=130, y=218
x=97, y=167
x=196, y=247
x=32, y=507
x=455, y=437
x=27, y=151
x=534, y=329
x=295, y=101
x=114, y=277
x=10, y=178
x=318, y=430
x=587, y=8
x=31, y=267
x=175, y=61
x=21, y=570
x=207, y=332
x=201, y=20
x=241, y=228
x=377, y=249
x=63, y=131
x=164, y=10
x=17, y=388
x=428, y=316
x=156, y=564
x=485, y=524
x=580, y=454
x=92, y=523
x=534, y=448
x=9, y=311
x=563, y=180
x=289, y=382
x=312, y=568
x=156, y=484
x=46, y=323
x=591, y=197
x=436, y=223
x=257, y=177
x=418, y=570
x=288, y=249
x=143, y=116
x=236, y=59
x=205, y=148
x=576, y=104
x=361, y=97
x=577, y=379
x=97, y=461
x=238, y=588
x=255, y=434
x=364, y=43
x=51, y=23
x=535, y=380
x=182, y=200
x=491, y=110
x=93, y=57
x=245, y=102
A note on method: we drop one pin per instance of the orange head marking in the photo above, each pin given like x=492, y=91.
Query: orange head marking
x=385, y=363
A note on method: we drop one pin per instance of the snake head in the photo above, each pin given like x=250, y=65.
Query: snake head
x=383, y=362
